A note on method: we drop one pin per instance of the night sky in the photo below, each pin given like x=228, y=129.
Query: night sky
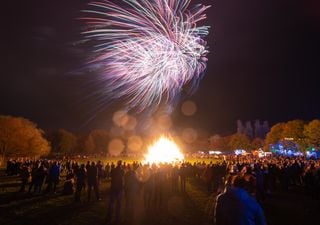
x=263, y=64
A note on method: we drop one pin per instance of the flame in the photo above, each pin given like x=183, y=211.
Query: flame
x=163, y=150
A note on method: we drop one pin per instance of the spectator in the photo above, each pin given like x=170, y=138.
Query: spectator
x=53, y=177
x=237, y=207
x=116, y=190
x=24, y=174
x=92, y=173
x=131, y=188
x=80, y=175
x=68, y=184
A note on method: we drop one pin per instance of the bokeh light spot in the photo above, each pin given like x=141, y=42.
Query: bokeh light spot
x=131, y=123
x=135, y=143
x=189, y=108
x=120, y=118
x=189, y=135
x=164, y=122
x=116, y=147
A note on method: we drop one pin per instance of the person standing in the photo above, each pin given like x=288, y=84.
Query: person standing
x=80, y=174
x=237, y=207
x=116, y=191
x=131, y=188
x=53, y=177
x=33, y=176
x=183, y=177
x=100, y=171
x=40, y=176
x=24, y=174
x=92, y=173
x=68, y=188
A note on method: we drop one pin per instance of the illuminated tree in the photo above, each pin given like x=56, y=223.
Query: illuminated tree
x=21, y=137
x=293, y=129
x=239, y=141
x=293, y=134
x=63, y=141
x=86, y=144
x=219, y=143
x=257, y=143
x=101, y=140
x=215, y=141
x=312, y=134
x=274, y=135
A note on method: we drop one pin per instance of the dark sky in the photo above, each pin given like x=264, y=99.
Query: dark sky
x=263, y=64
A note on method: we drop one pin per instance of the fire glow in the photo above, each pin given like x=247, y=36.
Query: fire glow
x=163, y=150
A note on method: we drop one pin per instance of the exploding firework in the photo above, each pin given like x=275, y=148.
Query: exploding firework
x=147, y=51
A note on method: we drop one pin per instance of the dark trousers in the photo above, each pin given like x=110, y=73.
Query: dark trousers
x=31, y=185
x=115, y=202
x=131, y=200
x=148, y=196
x=77, y=194
x=183, y=181
x=52, y=184
x=93, y=185
x=23, y=184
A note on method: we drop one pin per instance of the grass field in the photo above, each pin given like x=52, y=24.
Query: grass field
x=192, y=207
x=24, y=208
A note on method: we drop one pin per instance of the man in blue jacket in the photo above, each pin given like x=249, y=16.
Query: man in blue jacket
x=237, y=207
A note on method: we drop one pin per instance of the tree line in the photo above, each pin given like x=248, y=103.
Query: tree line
x=20, y=137
x=296, y=135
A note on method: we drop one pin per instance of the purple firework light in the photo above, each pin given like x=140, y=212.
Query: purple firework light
x=147, y=50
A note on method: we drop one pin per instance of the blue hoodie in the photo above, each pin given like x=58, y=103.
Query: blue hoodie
x=237, y=207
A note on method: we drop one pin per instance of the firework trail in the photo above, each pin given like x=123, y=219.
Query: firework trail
x=147, y=51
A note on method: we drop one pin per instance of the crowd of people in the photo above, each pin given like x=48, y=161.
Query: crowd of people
x=238, y=182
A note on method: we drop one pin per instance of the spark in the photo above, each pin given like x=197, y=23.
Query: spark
x=147, y=51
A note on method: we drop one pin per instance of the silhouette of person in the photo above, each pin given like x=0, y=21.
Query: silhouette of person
x=116, y=190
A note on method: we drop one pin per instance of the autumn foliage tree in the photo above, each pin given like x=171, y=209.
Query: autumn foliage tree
x=240, y=141
x=274, y=135
x=293, y=134
x=101, y=140
x=21, y=137
x=85, y=144
x=293, y=129
x=312, y=134
x=219, y=143
x=63, y=141
x=257, y=143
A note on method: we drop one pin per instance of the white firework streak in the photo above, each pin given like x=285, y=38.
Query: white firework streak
x=147, y=50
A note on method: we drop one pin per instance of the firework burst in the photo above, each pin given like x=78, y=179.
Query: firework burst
x=147, y=51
